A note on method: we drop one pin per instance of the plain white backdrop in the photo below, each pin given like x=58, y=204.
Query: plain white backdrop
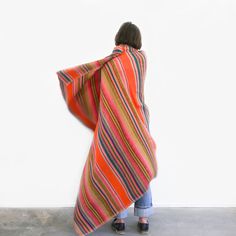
x=190, y=91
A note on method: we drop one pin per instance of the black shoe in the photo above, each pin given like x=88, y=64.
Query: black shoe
x=143, y=227
x=118, y=227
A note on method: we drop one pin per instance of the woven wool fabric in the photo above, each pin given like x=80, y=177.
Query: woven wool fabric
x=107, y=96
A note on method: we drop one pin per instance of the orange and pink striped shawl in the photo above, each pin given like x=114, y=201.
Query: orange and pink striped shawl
x=107, y=96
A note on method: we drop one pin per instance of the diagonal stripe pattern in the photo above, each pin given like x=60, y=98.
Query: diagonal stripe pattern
x=107, y=96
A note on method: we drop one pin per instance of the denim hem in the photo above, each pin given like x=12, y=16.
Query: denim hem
x=143, y=212
x=142, y=206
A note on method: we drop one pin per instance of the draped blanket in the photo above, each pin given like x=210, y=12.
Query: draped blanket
x=107, y=96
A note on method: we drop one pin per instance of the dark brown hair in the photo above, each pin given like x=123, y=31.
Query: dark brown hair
x=129, y=33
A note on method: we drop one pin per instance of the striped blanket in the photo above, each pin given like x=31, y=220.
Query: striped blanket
x=107, y=96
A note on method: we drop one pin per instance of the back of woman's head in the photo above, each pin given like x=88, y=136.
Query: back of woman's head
x=129, y=33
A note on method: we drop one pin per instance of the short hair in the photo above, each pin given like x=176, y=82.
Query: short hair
x=129, y=33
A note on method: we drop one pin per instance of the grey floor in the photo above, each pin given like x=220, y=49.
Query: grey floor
x=181, y=221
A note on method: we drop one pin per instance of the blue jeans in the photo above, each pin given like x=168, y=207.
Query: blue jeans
x=142, y=207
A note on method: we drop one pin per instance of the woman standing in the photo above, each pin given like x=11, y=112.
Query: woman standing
x=107, y=96
x=129, y=37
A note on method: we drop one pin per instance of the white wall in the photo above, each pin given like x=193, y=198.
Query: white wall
x=190, y=91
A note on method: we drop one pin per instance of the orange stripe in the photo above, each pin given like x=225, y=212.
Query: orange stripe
x=113, y=180
x=73, y=74
x=71, y=102
x=132, y=84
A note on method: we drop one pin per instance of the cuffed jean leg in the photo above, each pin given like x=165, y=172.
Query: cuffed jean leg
x=122, y=214
x=143, y=206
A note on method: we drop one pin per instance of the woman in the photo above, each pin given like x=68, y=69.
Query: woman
x=129, y=36
x=107, y=96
